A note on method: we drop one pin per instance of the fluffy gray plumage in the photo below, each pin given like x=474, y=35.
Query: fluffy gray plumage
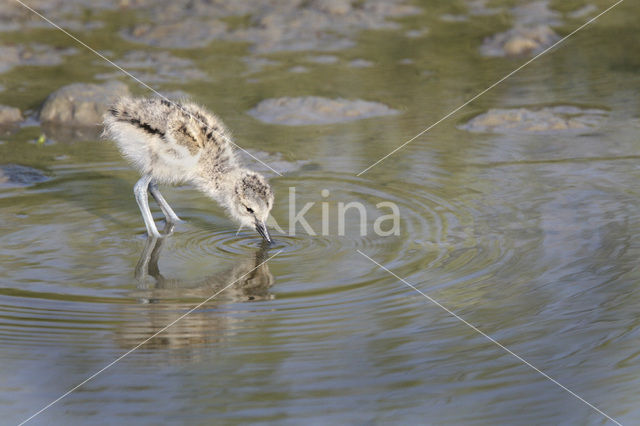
x=172, y=143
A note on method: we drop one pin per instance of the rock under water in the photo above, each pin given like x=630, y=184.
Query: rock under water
x=317, y=110
x=156, y=67
x=319, y=25
x=15, y=175
x=542, y=120
x=184, y=33
x=360, y=63
x=34, y=54
x=274, y=160
x=9, y=115
x=531, y=32
x=81, y=104
x=519, y=41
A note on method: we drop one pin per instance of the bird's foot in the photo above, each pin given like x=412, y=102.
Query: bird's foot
x=168, y=228
x=154, y=234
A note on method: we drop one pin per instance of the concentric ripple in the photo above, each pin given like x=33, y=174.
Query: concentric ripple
x=316, y=280
x=435, y=236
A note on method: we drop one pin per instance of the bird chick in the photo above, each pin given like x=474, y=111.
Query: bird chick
x=171, y=143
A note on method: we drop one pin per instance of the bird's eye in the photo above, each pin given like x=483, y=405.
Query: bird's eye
x=249, y=209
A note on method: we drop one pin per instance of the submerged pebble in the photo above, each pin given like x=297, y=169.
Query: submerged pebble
x=60, y=132
x=530, y=35
x=519, y=41
x=480, y=8
x=69, y=14
x=416, y=33
x=323, y=59
x=298, y=69
x=448, y=17
x=474, y=8
x=274, y=160
x=319, y=25
x=81, y=104
x=316, y=110
x=542, y=120
x=13, y=175
x=184, y=33
x=156, y=67
x=360, y=63
x=34, y=54
x=10, y=115
x=256, y=64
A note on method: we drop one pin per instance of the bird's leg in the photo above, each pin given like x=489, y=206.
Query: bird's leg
x=169, y=214
x=140, y=191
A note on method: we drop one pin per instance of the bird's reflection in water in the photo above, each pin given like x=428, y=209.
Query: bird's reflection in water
x=167, y=299
x=251, y=277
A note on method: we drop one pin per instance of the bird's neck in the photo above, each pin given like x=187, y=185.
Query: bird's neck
x=218, y=168
x=219, y=186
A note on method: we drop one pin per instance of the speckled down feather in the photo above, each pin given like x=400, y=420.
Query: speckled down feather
x=183, y=143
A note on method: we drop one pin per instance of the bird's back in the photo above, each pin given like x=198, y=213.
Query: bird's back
x=168, y=140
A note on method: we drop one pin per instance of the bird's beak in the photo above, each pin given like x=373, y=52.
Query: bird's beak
x=261, y=227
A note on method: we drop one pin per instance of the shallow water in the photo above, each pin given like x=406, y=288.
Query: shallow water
x=530, y=237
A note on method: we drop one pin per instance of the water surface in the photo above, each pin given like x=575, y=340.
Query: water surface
x=530, y=237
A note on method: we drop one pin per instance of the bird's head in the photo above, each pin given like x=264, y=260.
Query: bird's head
x=251, y=201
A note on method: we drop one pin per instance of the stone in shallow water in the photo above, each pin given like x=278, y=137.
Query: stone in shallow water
x=81, y=104
x=543, y=120
x=530, y=35
x=319, y=25
x=273, y=160
x=298, y=69
x=56, y=132
x=447, y=17
x=323, y=59
x=316, y=110
x=156, y=67
x=480, y=8
x=69, y=14
x=184, y=33
x=360, y=63
x=256, y=64
x=9, y=115
x=33, y=54
x=13, y=175
x=416, y=33
x=519, y=41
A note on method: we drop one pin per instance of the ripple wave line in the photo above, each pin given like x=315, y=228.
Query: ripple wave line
x=477, y=330
x=144, y=341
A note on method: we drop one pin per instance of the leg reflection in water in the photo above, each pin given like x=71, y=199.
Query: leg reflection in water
x=166, y=299
x=251, y=277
